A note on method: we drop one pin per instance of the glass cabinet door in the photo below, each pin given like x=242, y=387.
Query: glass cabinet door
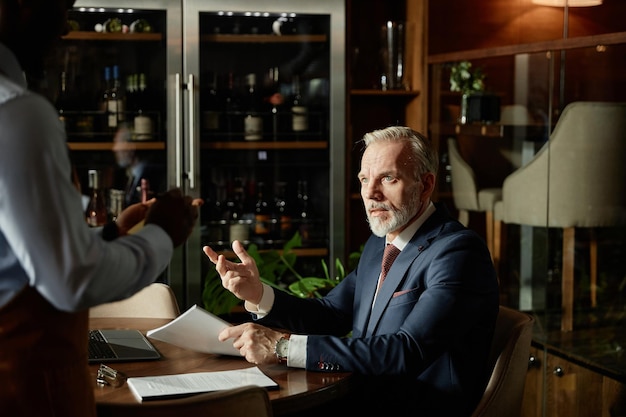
x=266, y=123
x=107, y=81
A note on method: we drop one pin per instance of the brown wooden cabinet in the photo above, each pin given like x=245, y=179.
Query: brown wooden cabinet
x=556, y=387
x=368, y=107
x=532, y=404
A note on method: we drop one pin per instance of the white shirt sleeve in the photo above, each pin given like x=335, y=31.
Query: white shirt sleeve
x=48, y=243
x=296, y=358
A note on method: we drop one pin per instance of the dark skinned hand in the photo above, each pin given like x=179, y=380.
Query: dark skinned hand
x=175, y=213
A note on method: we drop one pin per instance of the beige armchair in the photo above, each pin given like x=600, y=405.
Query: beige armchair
x=157, y=300
x=466, y=195
x=576, y=180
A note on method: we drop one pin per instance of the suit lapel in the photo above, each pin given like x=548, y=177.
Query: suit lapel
x=370, y=272
x=395, y=277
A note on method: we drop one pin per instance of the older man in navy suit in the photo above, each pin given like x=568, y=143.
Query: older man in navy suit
x=418, y=342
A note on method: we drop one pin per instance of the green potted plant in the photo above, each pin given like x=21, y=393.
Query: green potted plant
x=470, y=82
x=276, y=269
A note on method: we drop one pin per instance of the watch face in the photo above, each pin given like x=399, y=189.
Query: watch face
x=282, y=347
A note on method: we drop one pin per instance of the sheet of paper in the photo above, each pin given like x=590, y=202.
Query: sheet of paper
x=160, y=387
x=195, y=329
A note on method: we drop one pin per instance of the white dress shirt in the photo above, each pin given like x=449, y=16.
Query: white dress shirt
x=44, y=239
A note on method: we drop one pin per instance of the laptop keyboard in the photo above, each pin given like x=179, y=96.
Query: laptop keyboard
x=98, y=347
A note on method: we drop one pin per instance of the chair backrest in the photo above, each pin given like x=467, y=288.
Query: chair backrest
x=157, y=300
x=515, y=115
x=464, y=189
x=248, y=401
x=509, y=354
x=578, y=178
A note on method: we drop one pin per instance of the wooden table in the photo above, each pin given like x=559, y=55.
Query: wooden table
x=298, y=389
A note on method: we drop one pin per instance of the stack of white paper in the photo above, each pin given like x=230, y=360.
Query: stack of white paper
x=167, y=386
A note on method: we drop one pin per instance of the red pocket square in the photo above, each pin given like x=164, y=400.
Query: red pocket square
x=399, y=293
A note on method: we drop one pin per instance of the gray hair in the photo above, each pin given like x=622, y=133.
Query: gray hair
x=420, y=146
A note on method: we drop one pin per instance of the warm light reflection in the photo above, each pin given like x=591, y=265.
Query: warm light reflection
x=570, y=3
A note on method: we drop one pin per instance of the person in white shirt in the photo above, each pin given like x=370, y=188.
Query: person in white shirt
x=53, y=267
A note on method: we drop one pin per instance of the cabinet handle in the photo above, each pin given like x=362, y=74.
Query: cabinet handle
x=178, y=129
x=191, y=87
x=533, y=362
x=558, y=371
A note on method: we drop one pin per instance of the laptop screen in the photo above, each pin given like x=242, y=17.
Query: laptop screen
x=120, y=345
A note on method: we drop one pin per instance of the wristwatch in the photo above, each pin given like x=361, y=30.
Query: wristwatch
x=282, y=348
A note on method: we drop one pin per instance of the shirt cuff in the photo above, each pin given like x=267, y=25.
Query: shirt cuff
x=296, y=358
x=265, y=305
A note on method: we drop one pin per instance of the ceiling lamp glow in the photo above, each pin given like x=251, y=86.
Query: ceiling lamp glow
x=570, y=3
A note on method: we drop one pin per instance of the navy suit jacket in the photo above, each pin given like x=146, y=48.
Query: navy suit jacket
x=425, y=341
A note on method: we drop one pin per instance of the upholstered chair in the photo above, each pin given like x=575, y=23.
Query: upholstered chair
x=157, y=300
x=576, y=180
x=508, y=358
x=466, y=194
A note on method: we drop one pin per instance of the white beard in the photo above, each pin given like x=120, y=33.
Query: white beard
x=399, y=217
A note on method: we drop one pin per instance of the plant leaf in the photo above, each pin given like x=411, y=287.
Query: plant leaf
x=309, y=287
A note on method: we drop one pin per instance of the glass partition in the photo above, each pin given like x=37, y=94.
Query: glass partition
x=568, y=272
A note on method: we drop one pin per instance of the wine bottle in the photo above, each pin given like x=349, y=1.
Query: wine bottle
x=116, y=203
x=304, y=213
x=275, y=100
x=211, y=116
x=262, y=214
x=299, y=111
x=253, y=122
x=131, y=92
x=281, y=217
x=96, y=213
x=142, y=122
x=239, y=228
x=233, y=122
x=106, y=92
x=115, y=100
x=64, y=103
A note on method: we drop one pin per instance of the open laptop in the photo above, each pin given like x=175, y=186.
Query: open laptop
x=121, y=345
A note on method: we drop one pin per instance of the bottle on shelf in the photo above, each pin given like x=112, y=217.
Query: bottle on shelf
x=239, y=227
x=253, y=121
x=299, y=111
x=303, y=213
x=116, y=203
x=262, y=214
x=96, y=212
x=114, y=98
x=233, y=125
x=275, y=101
x=211, y=114
x=131, y=92
x=212, y=214
x=79, y=123
x=143, y=125
x=281, y=215
x=64, y=103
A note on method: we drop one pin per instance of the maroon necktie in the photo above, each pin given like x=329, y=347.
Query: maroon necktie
x=391, y=252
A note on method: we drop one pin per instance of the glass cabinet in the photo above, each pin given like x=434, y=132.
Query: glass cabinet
x=241, y=106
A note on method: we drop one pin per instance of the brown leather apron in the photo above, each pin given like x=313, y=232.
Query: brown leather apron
x=43, y=360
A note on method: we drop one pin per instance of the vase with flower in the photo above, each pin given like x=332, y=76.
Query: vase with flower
x=467, y=80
